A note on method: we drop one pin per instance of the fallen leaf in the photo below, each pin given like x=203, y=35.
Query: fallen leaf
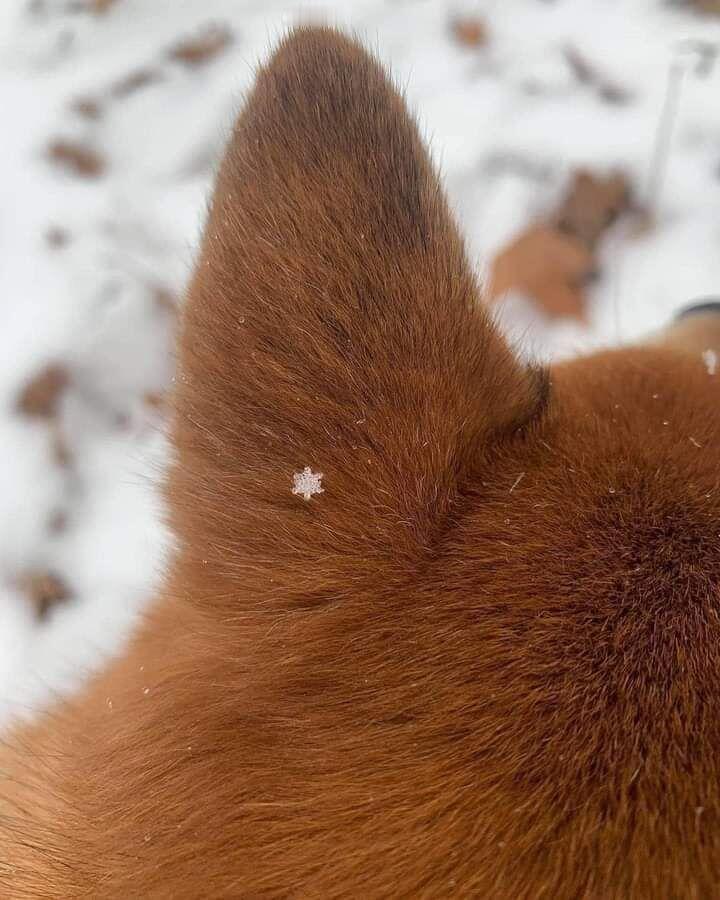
x=469, y=31
x=549, y=267
x=592, y=203
x=58, y=522
x=204, y=46
x=133, y=82
x=95, y=7
x=642, y=222
x=45, y=590
x=41, y=395
x=165, y=299
x=99, y=6
x=57, y=237
x=588, y=74
x=707, y=6
x=580, y=66
x=60, y=448
x=80, y=159
x=87, y=107
x=122, y=421
x=154, y=400
x=613, y=93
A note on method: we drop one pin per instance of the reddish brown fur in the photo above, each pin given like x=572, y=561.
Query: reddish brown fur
x=433, y=678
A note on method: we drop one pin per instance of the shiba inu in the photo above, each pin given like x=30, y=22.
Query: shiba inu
x=439, y=623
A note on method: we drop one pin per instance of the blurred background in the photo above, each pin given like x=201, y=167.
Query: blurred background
x=579, y=141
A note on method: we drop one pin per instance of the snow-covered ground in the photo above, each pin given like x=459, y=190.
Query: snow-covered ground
x=95, y=247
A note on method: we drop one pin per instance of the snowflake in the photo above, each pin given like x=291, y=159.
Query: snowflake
x=711, y=360
x=307, y=483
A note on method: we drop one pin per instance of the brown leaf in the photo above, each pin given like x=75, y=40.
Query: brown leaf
x=60, y=449
x=95, y=7
x=642, y=222
x=707, y=6
x=165, y=299
x=592, y=203
x=469, y=31
x=58, y=522
x=201, y=48
x=100, y=6
x=580, y=66
x=41, y=395
x=87, y=107
x=122, y=420
x=613, y=93
x=44, y=590
x=155, y=401
x=136, y=80
x=587, y=73
x=57, y=237
x=80, y=159
x=547, y=266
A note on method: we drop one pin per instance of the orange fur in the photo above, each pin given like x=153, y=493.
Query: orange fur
x=484, y=661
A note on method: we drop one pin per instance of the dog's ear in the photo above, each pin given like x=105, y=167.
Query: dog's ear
x=333, y=328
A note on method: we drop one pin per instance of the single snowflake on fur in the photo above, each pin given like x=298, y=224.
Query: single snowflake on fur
x=307, y=483
x=710, y=358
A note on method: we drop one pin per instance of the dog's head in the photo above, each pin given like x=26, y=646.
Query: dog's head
x=476, y=600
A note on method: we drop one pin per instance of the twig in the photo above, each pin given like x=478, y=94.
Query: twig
x=663, y=136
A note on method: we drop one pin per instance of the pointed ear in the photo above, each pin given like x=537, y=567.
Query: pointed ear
x=332, y=323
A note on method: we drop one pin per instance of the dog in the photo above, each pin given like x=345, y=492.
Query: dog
x=439, y=622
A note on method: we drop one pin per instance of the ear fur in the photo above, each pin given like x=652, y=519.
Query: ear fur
x=332, y=323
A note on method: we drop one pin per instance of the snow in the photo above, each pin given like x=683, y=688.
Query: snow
x=710, y=359
x=507, y=123
x=307, y=483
